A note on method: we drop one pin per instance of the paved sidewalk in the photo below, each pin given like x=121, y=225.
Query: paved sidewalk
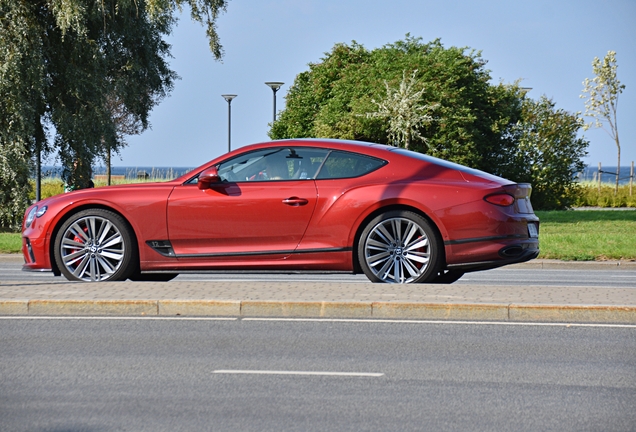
x=327, y=299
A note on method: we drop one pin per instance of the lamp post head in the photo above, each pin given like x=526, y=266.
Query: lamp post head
x=274, y=85
x=228, y=97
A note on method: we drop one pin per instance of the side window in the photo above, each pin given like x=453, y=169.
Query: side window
x=242, y=167
x=273, y=164
x=341, y=164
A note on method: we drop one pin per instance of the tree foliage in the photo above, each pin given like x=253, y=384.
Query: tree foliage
x=76, y=75
x=602, y=100
x=471, y=116
x=549, y=153
x=474, y=122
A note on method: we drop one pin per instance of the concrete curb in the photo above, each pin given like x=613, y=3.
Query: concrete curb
x=323, y=309
x=547, y=264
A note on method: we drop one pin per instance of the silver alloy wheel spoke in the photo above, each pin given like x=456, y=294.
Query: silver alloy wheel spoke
x=385, y=235
x=74, y=257
x=92, y=248
x=112, y=241
x=79, y=233
x=419, y=257
x=94, y=273
x=81, y=268
x=397, y=250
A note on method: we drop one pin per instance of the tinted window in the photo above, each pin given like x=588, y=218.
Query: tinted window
x=273, y=164
x=341, y=164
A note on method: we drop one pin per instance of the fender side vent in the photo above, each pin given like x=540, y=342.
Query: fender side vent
x=164, y=247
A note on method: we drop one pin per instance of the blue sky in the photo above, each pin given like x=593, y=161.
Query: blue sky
x=549, y=45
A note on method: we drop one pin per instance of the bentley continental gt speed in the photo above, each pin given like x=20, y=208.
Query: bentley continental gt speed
x=292, y=205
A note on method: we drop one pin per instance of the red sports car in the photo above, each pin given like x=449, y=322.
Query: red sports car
x=310, y=204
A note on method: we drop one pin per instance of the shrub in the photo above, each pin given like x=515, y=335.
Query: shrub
x=589, y=196
x=48, y=188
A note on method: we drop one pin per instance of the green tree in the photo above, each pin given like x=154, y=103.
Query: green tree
x=71, y=70
x=470, y=120
x=602, y=100
x=549, y=154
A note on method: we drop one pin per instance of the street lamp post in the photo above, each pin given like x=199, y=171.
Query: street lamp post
x=228, y=98
x=274, y=86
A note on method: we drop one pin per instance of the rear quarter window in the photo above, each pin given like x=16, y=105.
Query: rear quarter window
x=341, y=164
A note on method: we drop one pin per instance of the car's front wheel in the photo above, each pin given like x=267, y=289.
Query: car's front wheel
x=95, y=245
x=399, y=247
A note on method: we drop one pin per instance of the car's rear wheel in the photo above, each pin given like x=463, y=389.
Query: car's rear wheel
x=399, y=247
x=95, y=245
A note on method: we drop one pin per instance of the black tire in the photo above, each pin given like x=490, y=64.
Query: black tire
x=400, y=247
x=137, y=276
x=448, y=277
x=95, y=245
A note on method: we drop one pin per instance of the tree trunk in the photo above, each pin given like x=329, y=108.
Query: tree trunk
x=618, y=165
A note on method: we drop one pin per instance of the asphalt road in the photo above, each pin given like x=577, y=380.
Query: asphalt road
x=502, y=276
x=579, y=275
x=255, y=375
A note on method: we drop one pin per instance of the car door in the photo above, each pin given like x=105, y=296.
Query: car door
x=257, y=208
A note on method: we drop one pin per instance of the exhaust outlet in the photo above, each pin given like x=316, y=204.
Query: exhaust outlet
x=511, y=251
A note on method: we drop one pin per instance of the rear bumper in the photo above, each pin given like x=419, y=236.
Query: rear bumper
x=526, y=255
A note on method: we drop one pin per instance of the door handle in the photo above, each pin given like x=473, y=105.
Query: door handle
x=295, y=201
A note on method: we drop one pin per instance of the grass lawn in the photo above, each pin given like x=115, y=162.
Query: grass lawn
x=587, y=235
x=10, y=242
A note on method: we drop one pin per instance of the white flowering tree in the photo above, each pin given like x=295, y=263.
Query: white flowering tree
x=404, y=111
x=601, y=100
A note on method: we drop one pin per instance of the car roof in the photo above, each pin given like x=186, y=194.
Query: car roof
x=321, y=142
x=382, y=151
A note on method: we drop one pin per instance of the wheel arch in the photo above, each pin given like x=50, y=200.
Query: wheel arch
x=88, y=206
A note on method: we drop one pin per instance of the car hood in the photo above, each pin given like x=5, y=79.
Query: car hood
x=101, y=193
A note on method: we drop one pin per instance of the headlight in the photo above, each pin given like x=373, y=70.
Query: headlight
x=30, y=217
x=35, y=212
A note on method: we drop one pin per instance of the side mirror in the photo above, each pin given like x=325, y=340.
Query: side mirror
x=208, y=177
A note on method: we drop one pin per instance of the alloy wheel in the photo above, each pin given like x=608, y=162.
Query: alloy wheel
x=92, y=249
x=397, y=250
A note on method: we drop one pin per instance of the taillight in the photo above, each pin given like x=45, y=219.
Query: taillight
x=500, y=199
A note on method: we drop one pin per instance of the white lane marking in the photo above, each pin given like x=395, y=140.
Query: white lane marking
x=156, y=318
x=328, y=320
x=273, y=372
x=353, y=320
